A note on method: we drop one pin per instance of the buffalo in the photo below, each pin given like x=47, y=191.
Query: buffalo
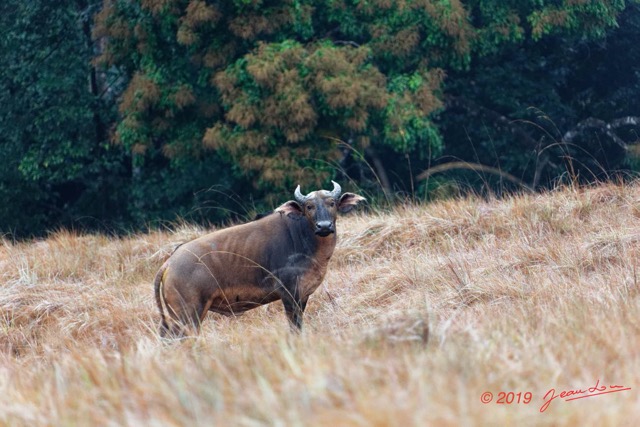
x=282, y=256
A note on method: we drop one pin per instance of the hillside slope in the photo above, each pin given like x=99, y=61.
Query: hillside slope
x=424, y=310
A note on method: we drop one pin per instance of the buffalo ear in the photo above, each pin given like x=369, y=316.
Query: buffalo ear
x=290, y=208
x=348, y=201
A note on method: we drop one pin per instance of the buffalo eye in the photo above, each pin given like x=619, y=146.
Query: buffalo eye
x=333, y=204
x=309, y=207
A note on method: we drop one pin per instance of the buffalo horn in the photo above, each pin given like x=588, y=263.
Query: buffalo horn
x=299, y=197
x=335, y=193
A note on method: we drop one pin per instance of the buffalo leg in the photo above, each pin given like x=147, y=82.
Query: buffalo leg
x=294, y=308
x=181, y=326
x=185, y=319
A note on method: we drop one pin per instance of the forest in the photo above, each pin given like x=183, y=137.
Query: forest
x=121, y=115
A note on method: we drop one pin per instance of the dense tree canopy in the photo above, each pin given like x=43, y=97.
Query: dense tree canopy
x=129, y=111
x=57, y=161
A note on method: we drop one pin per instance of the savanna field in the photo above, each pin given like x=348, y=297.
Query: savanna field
x=424, y=309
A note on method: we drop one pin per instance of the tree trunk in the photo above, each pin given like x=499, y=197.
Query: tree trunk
x=380, y=172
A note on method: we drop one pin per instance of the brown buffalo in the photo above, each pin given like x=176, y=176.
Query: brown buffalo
x=281, y=256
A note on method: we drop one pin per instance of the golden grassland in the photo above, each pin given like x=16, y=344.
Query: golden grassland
x=424, y=309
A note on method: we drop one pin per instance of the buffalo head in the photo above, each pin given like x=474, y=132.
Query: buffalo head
x=321, y=207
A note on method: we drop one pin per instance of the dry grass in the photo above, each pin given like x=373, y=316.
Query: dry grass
x=424, y=309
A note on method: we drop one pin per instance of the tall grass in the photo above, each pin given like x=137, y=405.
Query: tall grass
x=423, y=310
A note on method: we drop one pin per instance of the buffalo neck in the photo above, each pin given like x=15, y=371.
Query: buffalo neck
x=303, y=239
x=325, y=247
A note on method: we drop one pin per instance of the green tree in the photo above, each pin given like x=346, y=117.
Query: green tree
x=559, y=103
x=285, y=92
x=279, y=89
x=190, y=105
x=58, y=165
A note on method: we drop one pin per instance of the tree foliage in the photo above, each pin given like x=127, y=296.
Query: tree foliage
x=57, y=161
x=541, y=110
x=279, y=89
x=285, y=83
x=131, y=110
